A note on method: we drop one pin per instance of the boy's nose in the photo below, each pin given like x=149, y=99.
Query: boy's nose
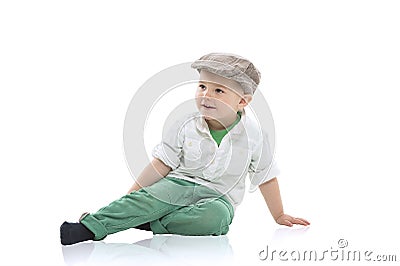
x=207, y=93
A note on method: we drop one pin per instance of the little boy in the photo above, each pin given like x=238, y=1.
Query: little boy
x=197, y=177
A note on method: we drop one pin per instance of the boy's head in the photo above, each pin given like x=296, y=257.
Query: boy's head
x=226, y=85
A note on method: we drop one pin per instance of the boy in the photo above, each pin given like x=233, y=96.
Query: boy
x=197, y=176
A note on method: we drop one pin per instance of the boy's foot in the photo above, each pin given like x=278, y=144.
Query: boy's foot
x=71, y=233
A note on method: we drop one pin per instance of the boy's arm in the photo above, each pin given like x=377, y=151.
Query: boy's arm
x=152, y=173
x=272, y=196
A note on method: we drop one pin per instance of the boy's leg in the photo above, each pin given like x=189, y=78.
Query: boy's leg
x=138, y=207
x=129, y=211
x=206, y=217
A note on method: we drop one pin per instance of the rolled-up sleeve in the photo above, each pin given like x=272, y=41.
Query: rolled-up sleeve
x=262, y=167
x=169, y=150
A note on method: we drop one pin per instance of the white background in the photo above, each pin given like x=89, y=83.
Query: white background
x=330, y=73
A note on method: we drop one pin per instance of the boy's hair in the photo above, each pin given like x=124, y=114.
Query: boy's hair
x=232, y=67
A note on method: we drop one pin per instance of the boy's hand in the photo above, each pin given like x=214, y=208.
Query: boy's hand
x=288, y=220
x=272, y=196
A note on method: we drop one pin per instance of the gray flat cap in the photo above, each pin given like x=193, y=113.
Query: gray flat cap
x=232, y=67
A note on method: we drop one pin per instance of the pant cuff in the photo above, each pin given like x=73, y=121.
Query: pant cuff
x=158, y=228
x=94, y=225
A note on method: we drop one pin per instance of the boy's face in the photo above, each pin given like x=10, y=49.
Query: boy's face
x=220, y=103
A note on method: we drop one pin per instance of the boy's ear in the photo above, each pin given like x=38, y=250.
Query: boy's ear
x=246, y=99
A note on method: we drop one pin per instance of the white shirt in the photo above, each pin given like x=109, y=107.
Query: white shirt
x=189, y=149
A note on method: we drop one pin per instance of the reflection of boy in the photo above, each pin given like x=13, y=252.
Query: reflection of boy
x=197, y=176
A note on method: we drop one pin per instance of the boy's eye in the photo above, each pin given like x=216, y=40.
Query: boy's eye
x=219, y=91
x=201, y=86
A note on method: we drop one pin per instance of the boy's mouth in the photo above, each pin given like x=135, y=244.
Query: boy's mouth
x=208, y=106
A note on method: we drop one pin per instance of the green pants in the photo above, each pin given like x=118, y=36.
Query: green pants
x=171, y=205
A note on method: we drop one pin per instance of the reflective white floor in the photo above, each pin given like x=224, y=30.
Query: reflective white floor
x=284, y=247
x=158, y=250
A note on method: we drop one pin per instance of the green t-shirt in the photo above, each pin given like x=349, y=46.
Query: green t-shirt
x=218, y=135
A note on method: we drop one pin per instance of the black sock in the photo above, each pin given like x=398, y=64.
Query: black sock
x=145, y=226
x=71, y=233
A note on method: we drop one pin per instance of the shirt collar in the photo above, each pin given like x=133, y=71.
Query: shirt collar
x=202, y=125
